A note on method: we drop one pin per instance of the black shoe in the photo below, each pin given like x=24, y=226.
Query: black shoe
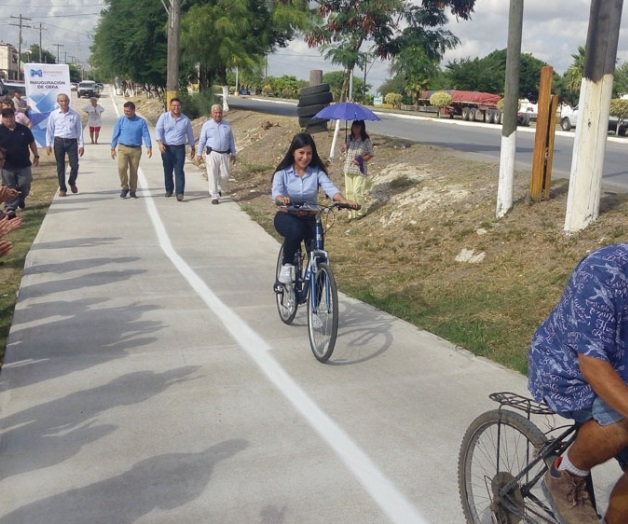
x=11, y=215
x=180, y=197
x=168, y=194
x=124, y=193
x=133, y=195
x=22, y=204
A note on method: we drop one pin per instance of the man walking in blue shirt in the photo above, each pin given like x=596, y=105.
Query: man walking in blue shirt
x=128, y=134
x=217, y=138
x=172, y=131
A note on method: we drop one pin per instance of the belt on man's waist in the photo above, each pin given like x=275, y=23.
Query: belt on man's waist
x=174, y=145
x=129, y=145
x=210, y=150
x=63, y=138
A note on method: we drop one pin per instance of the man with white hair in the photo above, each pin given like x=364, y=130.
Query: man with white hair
x=220, y=153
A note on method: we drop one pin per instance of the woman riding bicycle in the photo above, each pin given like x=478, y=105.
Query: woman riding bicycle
x=297, y=179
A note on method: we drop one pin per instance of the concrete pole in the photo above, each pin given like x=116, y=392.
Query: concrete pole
x=585, y=185
x=174, y=35
x=505, y=188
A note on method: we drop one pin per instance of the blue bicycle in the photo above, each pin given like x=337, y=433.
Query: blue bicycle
x=314, y=284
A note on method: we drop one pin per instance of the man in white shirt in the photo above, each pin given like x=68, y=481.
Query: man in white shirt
x=94, y=122
x=65, y=134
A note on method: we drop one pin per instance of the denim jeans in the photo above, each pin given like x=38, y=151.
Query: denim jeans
x=69, y=146
x=294, y=229
x=173, y=160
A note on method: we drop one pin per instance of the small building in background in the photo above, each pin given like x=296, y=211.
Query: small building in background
x=9, y=63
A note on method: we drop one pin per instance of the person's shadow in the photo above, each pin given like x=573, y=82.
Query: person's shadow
x=163, y=482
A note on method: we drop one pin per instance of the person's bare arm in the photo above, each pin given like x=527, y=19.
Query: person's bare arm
x=606, y=383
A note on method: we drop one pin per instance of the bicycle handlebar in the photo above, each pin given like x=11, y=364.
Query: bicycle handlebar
x=304, y=207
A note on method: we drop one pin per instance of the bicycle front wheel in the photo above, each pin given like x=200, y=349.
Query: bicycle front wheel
x=322, y=313
x=496, y=448
x=285, y=295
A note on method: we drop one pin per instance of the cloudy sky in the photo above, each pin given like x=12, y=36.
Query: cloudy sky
x=551, y=32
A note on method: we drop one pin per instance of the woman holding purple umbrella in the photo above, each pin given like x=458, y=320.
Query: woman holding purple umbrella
x=359, y=150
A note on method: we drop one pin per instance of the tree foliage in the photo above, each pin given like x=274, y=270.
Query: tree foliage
x=488, y=74
x=619, y=108
x=131, y=38
x=130, y=41
x=385, y=27
x=224, y=34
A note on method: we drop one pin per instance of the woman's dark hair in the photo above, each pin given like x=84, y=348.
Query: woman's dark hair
x=299, y=141
x=363, y=134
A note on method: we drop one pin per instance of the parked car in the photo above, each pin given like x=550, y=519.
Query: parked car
x=87, y=88
x=8, y=87
x=569, y=117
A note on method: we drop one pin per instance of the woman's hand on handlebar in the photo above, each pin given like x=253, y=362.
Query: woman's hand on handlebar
x=351, y=204
x=282, y=200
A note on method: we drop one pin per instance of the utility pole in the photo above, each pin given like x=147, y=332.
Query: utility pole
x=57, y=46
x=19, y=43
x=505, y=188
x=174, y=36
x=589, y=148
x=40, y=30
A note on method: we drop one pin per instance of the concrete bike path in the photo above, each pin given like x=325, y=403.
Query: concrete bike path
x=148, y=378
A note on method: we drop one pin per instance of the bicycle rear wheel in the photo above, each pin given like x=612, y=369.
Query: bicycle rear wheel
x=322, y=313
x=285, y=295
x=496, y=448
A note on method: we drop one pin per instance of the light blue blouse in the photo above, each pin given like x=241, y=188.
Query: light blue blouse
x=287, y=182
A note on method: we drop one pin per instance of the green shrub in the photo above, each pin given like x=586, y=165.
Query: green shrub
x=393, y=99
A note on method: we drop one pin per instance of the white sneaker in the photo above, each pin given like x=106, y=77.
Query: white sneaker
x=286, y=275
x=317, y=322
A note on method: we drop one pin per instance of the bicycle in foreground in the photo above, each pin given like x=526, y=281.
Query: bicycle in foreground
x=502, y=461
x=314, y=284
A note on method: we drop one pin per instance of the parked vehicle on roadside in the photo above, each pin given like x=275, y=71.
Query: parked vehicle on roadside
x=8, y=87
x=475, y=106
x=569, y=118
x=88, y=89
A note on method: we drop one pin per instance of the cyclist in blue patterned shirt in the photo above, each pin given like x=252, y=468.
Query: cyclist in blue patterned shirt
x=577, y=365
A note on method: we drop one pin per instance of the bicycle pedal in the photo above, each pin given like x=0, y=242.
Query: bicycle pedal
x=278, y=288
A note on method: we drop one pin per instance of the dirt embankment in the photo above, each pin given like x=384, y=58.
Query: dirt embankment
x=430, y=248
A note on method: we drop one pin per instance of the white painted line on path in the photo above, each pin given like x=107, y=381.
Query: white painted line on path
x=390, y=500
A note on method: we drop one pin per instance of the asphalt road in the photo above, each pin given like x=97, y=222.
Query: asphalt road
x=474, y=139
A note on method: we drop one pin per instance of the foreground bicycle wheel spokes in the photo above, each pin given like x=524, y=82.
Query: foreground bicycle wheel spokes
x=494, y=484
x=322, y=313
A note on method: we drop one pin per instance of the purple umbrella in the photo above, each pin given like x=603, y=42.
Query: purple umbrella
x=346, y=111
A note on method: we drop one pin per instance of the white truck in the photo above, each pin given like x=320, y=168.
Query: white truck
x=569, y=118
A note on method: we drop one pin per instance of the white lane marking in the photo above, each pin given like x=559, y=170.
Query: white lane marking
x=390, y=500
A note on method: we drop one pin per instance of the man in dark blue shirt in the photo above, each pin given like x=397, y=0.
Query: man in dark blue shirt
x=128, y=134
x=18, y=143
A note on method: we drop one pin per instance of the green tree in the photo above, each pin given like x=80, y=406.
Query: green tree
x=46, y=56
x=335, y=79
x=222, y=34
x=441, y=100
x=488, y=74
x=384, y=27
x=572, y=79
x=130, y=41
x=619, y=108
